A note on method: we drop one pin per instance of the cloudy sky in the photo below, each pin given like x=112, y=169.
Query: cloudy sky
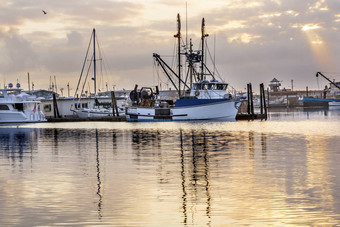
x=252, y=41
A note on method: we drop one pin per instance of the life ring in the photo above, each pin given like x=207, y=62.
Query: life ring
x=197, y=93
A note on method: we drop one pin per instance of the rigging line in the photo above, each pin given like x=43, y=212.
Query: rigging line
x=174, y=59
x=153, y=72
x=105, y=69
x=206, y=46
x=186, y=25
x=156, y=68
x=82, y=70
x=167, y=56
x=174, y=54
x=214, y=54
x=232, y=89
x=195, y=73
x=205, y=66
x=88, y=70
x=185, y=68
x=101, y=78
x=101, y=64
x=219, y=76
x=105, y=65
x=187, y=76
x=336, y=73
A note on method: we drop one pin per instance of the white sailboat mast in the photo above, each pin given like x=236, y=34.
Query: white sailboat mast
x=94, y=62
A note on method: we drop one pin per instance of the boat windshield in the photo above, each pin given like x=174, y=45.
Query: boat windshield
x=221, y=86
x=201, y=86
x=197, y=87
x=211, y=86
x=14, y=92
x=4, y=107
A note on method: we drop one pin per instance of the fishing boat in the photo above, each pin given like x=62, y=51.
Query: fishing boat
x=332, y=100
x=202, y=99
x=19, y=107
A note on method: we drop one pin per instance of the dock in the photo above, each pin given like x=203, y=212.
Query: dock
x=245, y=111
x=77, y=119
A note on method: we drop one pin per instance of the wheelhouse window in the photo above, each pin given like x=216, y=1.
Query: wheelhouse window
x=13, y=92
x=211, y=86
x=81, y=105
x=4, y=107
x=197, y=86
x=19, y=106
x=221, y=86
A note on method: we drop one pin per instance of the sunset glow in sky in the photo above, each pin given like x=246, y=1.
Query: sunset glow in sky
x=255, y=41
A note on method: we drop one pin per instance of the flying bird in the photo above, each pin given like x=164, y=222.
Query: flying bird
x=44, y=12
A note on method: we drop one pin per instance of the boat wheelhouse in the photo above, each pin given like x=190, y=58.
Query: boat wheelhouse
x=212, y=89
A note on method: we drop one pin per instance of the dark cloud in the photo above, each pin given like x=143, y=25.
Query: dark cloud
x=270, y=43
x=18, y=55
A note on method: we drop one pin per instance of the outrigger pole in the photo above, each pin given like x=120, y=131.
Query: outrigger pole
x=202, y=39
x=165, y=66
x=178, y=36
x=319, y=73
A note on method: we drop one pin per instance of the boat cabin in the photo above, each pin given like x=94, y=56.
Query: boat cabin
x=11, y=99
x=205, y=89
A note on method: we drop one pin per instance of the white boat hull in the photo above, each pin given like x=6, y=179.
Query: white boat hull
x=86, y=113
x=217, y=111
x=92, y=113
x=223, y=111
x=17, y=107
x=334, y=103
x=21, y=117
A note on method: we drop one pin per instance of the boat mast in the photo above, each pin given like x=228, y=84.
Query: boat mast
x=29, y=86
x=190, y=63
x=94, y=63
x=202, y=39
x=178, y=36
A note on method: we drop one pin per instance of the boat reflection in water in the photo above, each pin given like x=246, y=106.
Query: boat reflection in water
x=229, y=178
x=170, y=174
x=18, y=144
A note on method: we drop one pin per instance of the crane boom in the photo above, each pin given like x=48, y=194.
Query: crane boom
x=319, y=73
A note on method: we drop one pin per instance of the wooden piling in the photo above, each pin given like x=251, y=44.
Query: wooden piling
x=114, y=104
x=251, y=101
x=248, y=98
x=268, y=98
x=264, y=101
x=261, y=99
x=55, y=107
x=249, y=114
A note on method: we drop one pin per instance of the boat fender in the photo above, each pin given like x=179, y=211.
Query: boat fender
x=197, y=93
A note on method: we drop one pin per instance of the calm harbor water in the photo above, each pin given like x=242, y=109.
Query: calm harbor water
x=280, y=172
